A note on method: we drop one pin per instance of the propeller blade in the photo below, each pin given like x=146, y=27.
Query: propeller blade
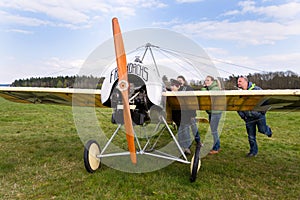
x=123, y=86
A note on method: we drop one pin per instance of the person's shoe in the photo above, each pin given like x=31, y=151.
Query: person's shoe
x=270, y=135
x=249, y=155
x=187, y=151
x=212, y=152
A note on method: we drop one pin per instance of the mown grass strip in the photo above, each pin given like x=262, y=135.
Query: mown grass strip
x=41, y=158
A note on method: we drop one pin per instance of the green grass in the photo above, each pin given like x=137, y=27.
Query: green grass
x=41, y=157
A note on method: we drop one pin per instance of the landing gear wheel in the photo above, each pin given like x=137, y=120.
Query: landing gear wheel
x=91, y=151
x=195, y=163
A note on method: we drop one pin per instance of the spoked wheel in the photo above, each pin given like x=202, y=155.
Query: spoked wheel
x=91, y=161
x=195, y=163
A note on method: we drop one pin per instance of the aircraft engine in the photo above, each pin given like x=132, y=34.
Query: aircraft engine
x=139, y=105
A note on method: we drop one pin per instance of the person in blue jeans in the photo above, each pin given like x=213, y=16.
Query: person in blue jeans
x=184, y=119
x=253, y=119
x=214, y=116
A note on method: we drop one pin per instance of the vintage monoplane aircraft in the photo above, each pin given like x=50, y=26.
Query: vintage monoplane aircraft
x=137, y=97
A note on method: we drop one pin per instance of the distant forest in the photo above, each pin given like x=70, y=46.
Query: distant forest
x=87, y=82
x=270, y=80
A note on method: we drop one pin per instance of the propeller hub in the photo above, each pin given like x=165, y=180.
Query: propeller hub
x=123, y=85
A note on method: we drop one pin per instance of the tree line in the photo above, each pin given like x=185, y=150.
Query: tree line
x=85, y=82
x=269, y=80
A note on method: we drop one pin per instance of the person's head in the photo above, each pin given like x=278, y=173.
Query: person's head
x=181, y=80
x=175, y=85
x=208, y=80
x=242, y=83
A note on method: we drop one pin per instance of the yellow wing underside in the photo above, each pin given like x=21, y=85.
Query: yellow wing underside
x=60, y=96
x=227, y=100
x=236, y=100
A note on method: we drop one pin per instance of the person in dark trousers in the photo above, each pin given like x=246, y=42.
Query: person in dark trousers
x=253, y=119
x=187, y=118
x=213, y=116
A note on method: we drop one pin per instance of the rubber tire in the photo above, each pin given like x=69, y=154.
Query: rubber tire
x=195, y=164
x=91, y=150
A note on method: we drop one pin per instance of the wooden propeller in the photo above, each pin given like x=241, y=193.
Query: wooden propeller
x=123, y=86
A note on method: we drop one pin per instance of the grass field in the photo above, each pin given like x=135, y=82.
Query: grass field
x=42, y=158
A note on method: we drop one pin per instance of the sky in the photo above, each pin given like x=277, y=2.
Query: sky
x=41, y=38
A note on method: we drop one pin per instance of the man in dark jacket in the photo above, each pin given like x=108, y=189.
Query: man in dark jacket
x=253, y=118
x=184, y=119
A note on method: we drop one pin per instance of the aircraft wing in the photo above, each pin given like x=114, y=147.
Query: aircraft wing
x=235, y=100
x=229, y=100
x=62, y=96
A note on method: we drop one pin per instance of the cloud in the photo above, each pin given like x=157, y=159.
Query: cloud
x=138, y=3
x=58, y=65
x=242, y=65
x=167, y=23
x=268, y=25
x=281, y=61
x=216, y=51
x=71, y=13
x=282, y=12
x=19, y=31
x=53, y=66
x=7, y=18
x=188, y=1
x=244, y=32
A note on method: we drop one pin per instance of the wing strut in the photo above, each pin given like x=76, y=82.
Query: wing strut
x=123, y=86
